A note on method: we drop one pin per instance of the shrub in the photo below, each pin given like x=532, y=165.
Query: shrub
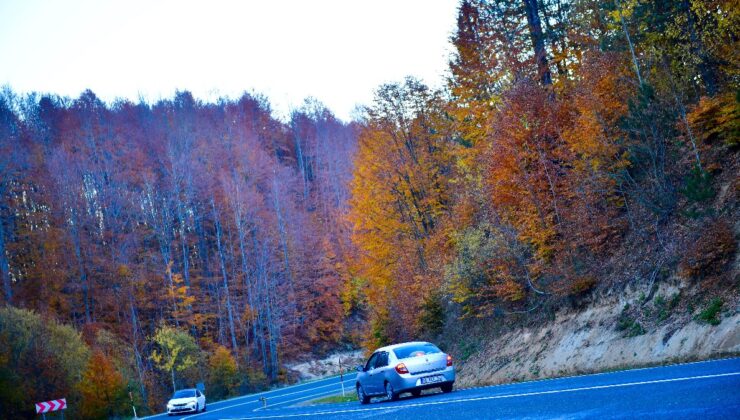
x=710, y=314
x=223, y=376
x=708, y=255
x=39, y=360
x=664, y=307
x=698, y=186
x=635, y=329
x=378, y=336
x=582, y=285
x=102, y=388
x=255, y=380
x=467, y=349
x=432, y=318
x=629, y=325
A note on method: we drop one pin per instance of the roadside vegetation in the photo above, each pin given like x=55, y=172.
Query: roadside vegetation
x=711, y=313
x=335, y=399
x=570, y=157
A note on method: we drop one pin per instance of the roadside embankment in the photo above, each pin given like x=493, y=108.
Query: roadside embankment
x=613, y=333
x=329, y=365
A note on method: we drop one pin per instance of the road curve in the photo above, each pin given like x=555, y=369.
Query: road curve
x=708, y=389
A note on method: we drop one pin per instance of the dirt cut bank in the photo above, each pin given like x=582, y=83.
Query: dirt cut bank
x=614, y=333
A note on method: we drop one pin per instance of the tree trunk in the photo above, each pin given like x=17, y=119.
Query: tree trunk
x=172, y=372
x=222, y=260
x=245, y=268
x=697, y=47
x=137, y=354
x=84, y=282
x=629, y=43
x=538, y=41
x=262, y=307
x=5, y=267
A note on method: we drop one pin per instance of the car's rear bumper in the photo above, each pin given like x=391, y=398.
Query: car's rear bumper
x=408, y=382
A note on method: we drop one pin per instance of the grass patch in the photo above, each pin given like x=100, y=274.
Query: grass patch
x=710, y=314
x=334, y=399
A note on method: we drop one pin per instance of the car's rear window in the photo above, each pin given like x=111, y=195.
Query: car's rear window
x=184, y=393
x=415, y=350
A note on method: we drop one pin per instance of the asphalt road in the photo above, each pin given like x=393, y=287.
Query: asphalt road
x=695, y=390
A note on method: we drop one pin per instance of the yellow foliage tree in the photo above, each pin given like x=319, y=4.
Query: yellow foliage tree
x=399, y=193
x=223, y=375
x=176, y=351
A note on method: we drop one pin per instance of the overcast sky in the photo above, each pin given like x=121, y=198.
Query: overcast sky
x=338, y=51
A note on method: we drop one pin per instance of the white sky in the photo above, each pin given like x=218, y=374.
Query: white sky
x=338, y=51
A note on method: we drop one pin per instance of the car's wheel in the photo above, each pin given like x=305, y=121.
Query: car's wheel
x=197, y=407
x=204, y=406
x=361, y=396
x=390, y=393
x=416, y=392
x=447, y=387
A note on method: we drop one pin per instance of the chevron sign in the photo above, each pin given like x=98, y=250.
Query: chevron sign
x=53, y=405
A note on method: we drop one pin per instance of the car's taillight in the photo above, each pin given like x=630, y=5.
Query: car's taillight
x=401, y=368
x=449, y=360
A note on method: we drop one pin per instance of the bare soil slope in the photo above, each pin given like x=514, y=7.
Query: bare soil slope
x=605, y=336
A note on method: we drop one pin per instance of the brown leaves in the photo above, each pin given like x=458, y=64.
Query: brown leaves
x=717, y=120
x=102, y=388
x=708, y=256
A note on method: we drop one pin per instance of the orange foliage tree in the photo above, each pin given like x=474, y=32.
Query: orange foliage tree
x=102, y=388
x=399, y=194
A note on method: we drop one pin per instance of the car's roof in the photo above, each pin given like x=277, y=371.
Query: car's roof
x=395, y=346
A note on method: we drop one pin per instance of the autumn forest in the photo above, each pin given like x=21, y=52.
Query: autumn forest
x=150, y=246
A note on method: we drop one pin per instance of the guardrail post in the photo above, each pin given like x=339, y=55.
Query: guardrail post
x=341, y=375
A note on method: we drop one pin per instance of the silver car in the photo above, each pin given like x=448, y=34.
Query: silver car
x=406, y=367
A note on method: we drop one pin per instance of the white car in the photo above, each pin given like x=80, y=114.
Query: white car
x=186, y=400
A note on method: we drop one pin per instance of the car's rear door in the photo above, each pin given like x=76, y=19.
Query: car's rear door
x=366, y=378
x=378, y=373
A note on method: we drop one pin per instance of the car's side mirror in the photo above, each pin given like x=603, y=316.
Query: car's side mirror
x=360, y=368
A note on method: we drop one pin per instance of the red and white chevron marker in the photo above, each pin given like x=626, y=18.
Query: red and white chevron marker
x=53, y=405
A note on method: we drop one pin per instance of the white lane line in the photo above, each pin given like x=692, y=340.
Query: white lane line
x=492, y=397
x=285, y=388
x=268, y=401
x=321, y=394
x=611, y=372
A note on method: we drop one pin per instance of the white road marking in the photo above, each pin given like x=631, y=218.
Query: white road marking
x=492, y=397
x=337, y=384
x=241, y=397
x=610, y=372
x=321, y=394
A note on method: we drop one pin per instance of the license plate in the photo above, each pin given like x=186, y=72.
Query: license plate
x=431, y=379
